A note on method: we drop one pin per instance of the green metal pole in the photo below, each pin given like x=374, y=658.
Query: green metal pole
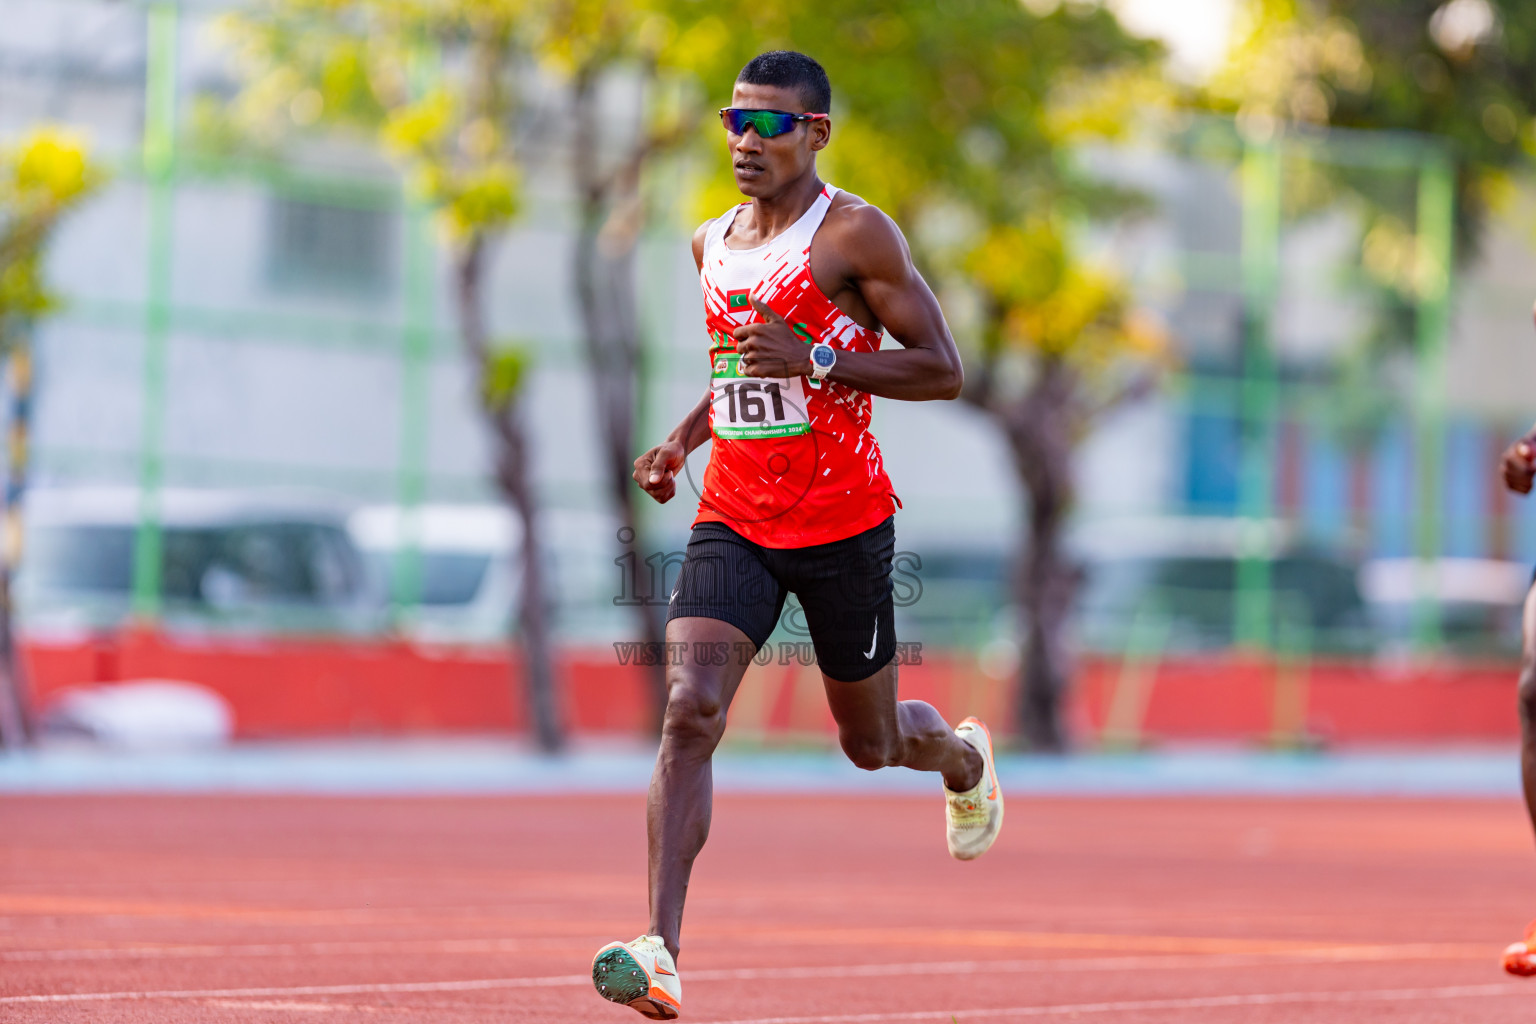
x=159, y=167
x=1436, y=251
x=415, y=379
x=1261, y=283
x=415, y=409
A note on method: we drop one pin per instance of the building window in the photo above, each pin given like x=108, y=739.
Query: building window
x=323, y=247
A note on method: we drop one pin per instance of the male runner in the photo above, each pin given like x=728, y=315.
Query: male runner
x=1519, y=466
x=798, y=284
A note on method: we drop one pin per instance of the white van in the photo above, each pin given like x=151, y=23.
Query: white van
x=246, y=562
x=468, y=580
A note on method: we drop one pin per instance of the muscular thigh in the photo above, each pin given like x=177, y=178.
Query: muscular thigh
x=865, y=708
x=845, y=590
x=706, y=661
x=727, y=578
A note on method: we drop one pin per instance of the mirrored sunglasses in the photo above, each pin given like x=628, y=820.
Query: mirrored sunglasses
x=767, y=123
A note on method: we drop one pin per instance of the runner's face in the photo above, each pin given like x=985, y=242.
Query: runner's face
x=764, y=167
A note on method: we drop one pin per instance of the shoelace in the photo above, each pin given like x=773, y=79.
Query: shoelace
x=969, y=809
x=648, y=945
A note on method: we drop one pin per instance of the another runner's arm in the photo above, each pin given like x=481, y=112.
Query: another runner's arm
x=656, y=470
x=1519, y=463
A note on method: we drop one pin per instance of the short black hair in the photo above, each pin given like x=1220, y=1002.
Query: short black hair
x=790, y=69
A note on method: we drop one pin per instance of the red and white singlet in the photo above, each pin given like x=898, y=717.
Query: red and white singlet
x=793, y=462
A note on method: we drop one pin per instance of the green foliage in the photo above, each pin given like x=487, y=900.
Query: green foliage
x=1457, y=70
x=506, y=368
x=963, y=122
x=42, y=177
x=440, y=86
x=432, y=83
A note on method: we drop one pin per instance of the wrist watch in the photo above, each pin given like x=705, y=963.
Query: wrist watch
x=823, y=357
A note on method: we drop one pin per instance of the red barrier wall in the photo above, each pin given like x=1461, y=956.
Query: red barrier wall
x=324, y=687
x=1344, y=701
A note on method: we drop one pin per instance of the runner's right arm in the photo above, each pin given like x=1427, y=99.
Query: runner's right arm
x=656, y=470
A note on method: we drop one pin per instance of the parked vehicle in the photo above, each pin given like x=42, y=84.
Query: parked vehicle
x=1173, y=578
x=464, y=561
x=229, y=561
x=453, y=565
x=1472, y=605
x=1178, y=578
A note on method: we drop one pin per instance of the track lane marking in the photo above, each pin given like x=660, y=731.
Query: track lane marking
x=738, y=974
x=307, y=990
x=1144, y=1005
x=1000, y=939
x=1316, y=953
x=984, y=938
x=288, y=1005
x=193, y=952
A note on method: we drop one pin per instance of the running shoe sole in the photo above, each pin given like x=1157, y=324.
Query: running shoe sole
x=619, y=978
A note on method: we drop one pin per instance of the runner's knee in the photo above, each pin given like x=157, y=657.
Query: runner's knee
x=694, y=715
x=868, y=752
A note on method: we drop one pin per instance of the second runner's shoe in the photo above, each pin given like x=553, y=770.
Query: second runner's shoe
x=976, y=816
x=1520, y=957
x=639, y=974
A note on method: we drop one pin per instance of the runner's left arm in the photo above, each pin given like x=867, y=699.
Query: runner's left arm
x=875, y=259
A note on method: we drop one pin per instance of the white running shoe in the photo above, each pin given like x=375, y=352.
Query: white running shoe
x=641, y=975
x=976, y=816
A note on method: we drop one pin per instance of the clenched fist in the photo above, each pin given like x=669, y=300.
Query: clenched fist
x=656, y=470
x=1519, y=465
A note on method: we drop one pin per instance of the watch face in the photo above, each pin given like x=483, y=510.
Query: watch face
x=822, y=355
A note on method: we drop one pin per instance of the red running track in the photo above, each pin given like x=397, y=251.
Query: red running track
x=812, y=910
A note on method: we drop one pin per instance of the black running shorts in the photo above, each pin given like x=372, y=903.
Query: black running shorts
x=844, y=588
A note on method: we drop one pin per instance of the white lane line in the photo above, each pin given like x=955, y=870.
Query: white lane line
x=450, y=946
x=1401, y=951
x=1040, y=966
x=1143, y=1005
x=1193, y=961
x=288, y=1005
x=307, y=990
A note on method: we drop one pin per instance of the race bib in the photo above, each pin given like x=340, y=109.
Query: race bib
x=755, y=407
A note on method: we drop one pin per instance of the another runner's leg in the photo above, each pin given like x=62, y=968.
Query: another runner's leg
x=1520, y=957
x=878, y=731
x=1528, y=703
x=682, y=786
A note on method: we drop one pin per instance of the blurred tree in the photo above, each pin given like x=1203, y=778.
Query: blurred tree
x=440, y=86
x=42, y=177
x=1458, y=70
x=465, y=138
x=617, y=138
x=967, y=124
